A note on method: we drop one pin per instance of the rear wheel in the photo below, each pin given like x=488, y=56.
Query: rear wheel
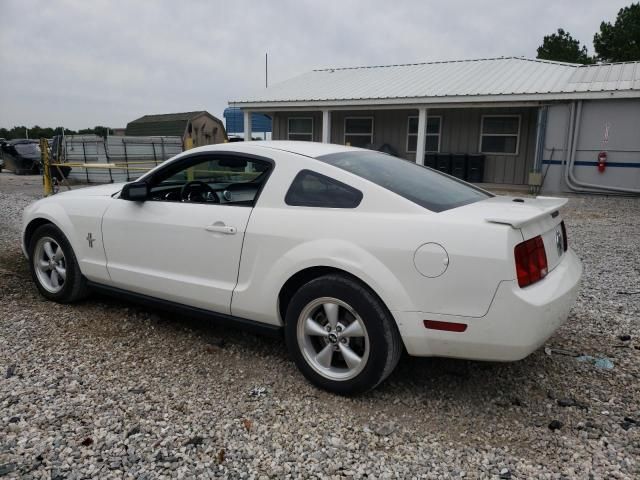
x=341, y=336
x=54, y=267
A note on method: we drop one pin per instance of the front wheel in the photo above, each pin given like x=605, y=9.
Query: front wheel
x=341, y=335
x=54, y=266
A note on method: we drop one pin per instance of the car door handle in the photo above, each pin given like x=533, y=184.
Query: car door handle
x=221, y=228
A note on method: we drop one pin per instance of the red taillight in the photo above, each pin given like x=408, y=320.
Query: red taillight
x=531, y=261
x=446, y=326
x=565, y=241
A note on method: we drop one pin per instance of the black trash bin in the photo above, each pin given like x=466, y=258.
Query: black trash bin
x=430, y=160
x=443, y=162
x=459, y=165
x=475, y=168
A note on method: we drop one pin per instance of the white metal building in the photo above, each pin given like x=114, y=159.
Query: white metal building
x=531, y=121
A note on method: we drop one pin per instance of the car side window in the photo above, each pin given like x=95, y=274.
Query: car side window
x=312, y=189
x=212, y=179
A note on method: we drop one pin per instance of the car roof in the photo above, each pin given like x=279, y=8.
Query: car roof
x=308, y=149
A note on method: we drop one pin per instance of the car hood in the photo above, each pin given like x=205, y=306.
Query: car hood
x=98, y=191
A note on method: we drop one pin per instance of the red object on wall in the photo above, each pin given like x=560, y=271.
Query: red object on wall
x=602, y=161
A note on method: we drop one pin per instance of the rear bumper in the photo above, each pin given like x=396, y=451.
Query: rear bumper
x=519, y=320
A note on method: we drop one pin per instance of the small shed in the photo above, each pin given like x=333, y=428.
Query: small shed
x=201, y=126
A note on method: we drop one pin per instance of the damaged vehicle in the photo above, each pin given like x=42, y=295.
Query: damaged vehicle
x=22, y=156
x=355, y=256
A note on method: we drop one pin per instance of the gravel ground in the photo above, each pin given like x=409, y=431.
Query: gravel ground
x=107, y=389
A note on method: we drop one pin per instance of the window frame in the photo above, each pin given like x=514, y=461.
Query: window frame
x=307, y=171
x=517, y=135
x=151, y=178
x=294, y=133
x=439, y=134
x=344, y=128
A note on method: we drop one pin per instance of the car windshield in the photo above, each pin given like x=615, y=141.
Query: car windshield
x=426, y=187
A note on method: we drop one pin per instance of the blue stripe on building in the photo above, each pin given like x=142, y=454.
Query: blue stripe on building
x=582, y=163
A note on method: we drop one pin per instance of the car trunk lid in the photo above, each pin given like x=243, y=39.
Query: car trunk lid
x=521, y=212
x=532, y=216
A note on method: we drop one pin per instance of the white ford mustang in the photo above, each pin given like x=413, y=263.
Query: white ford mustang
x=355, y=254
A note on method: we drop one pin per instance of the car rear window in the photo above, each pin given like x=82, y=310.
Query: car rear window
x=426, y=187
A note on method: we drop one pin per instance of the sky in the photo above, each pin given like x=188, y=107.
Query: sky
x=82, y=63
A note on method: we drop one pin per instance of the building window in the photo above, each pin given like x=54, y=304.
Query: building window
x=358, y=131
x=300, y=129
x=311, y=189
x=500, y=134
x=432, y=141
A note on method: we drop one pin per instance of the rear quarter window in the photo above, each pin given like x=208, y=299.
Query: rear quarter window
x=312, y=189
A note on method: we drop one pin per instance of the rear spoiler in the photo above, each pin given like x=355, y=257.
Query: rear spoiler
x=519, y=214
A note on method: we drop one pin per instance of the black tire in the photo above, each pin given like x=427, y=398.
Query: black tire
x=74, y=287
x=385, y=344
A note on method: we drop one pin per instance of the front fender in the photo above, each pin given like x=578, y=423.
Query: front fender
x=76, y=218
x=52, y=213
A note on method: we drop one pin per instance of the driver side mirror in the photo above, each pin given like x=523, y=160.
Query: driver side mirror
x=136, y=191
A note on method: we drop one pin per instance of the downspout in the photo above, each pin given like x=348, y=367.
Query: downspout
x=569, y=142
x=572, y=146
x=540, y=138
x=541, y=132
x=572, y=182
x=569, y=146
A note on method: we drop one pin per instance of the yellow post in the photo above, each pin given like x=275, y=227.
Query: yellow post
x=46, y=169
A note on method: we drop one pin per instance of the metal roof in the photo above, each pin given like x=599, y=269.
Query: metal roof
x=607, y=77
x=490, y=79
x=166, y=124
x=168, y=117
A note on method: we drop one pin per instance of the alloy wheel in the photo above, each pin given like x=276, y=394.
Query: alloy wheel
x=50, y=264
x=333, y=338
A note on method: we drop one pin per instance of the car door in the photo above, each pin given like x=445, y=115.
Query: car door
x=184, y=243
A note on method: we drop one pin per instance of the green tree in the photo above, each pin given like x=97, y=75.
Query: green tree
x=562, y=47
x=40, y=132
x=36, y=132
x=620, y=42
x=97, y=130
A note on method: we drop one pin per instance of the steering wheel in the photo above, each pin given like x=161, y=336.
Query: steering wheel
x=197, y=187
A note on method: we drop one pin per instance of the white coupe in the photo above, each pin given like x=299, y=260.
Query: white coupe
x=356, y=255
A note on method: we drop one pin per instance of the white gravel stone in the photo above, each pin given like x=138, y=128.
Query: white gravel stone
x=89, y=374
